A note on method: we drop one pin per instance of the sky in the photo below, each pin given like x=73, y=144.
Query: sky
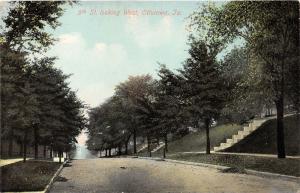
x=102, y=43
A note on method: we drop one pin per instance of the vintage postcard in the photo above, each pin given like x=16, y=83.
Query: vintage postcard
x=150, y=96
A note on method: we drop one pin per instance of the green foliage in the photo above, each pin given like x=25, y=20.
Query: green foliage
x=271, y=32
x=26, y=22
x=36, y=101
x=247, y=92
x=129, y=111
x=167, y=102
x=202, y=83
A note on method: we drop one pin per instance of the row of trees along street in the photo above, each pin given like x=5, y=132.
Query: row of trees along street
x=215, y=83
x=38, y=108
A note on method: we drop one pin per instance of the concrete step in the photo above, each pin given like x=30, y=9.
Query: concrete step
x=217, y=148
x=247, y=129
x=225, y=145
x=241, y=134
x=142, y=148
x=237, y=138
x=161, y=144
x=260, y=121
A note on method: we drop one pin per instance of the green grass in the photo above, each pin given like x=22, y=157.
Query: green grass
x=263, y=140
x=286, y=166
x=28, y=176
x=197, y=141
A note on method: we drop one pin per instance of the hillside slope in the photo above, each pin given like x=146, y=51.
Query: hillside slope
x=263, y=140
x=197, y=141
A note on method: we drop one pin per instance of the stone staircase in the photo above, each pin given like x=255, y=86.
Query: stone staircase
x=253, y=125
x=142, y=148
x=161, y=144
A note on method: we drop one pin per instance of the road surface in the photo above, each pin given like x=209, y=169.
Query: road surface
x=82, y=152
x=138, y=175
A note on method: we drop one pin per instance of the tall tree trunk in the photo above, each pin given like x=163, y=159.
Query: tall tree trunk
x=45, y=150
x=207, y=121
x=109, y=152
x=166, y=142
x=11, y=140
x=36, y=142
x=298, y=117
x=126, y=148
x=126, y=144
x=1, y=143
x=280, y=112
x=280, y=128
x=105, y=152
x=119, y=150
x=59, y=155
x=25, y=145
x=21, y=149
x=134, y=141
x=51, y=152
x=149, y=149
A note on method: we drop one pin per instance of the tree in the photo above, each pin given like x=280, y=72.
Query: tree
x=138, y=91
x=167, y=103
x=129, y=112
x=28, y=111
x=244, y=85
x=19, y=105
x=271, y=31
x=24, y=34
x=12, y=78
x=107, y=125
x=203, y=88
x=26, y=22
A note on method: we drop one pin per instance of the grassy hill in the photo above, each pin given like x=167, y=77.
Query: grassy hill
x=197, y=141
x=263, y=140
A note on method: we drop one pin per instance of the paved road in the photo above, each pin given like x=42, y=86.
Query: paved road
x=82, y=152
x=137, y=175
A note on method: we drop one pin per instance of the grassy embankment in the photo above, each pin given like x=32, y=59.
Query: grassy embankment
x=195, y=142
x=288, y=166
x=28, y=176
x=262, y=140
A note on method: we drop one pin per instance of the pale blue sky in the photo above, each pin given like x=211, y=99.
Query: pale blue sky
x=103, y=50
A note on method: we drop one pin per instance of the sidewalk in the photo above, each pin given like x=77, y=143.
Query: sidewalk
x=4, y=162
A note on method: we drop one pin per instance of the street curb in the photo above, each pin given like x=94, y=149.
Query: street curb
x=248, y=171
x=273, y=175
x=48, y=187
x=198, y=164
x=188, y=163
